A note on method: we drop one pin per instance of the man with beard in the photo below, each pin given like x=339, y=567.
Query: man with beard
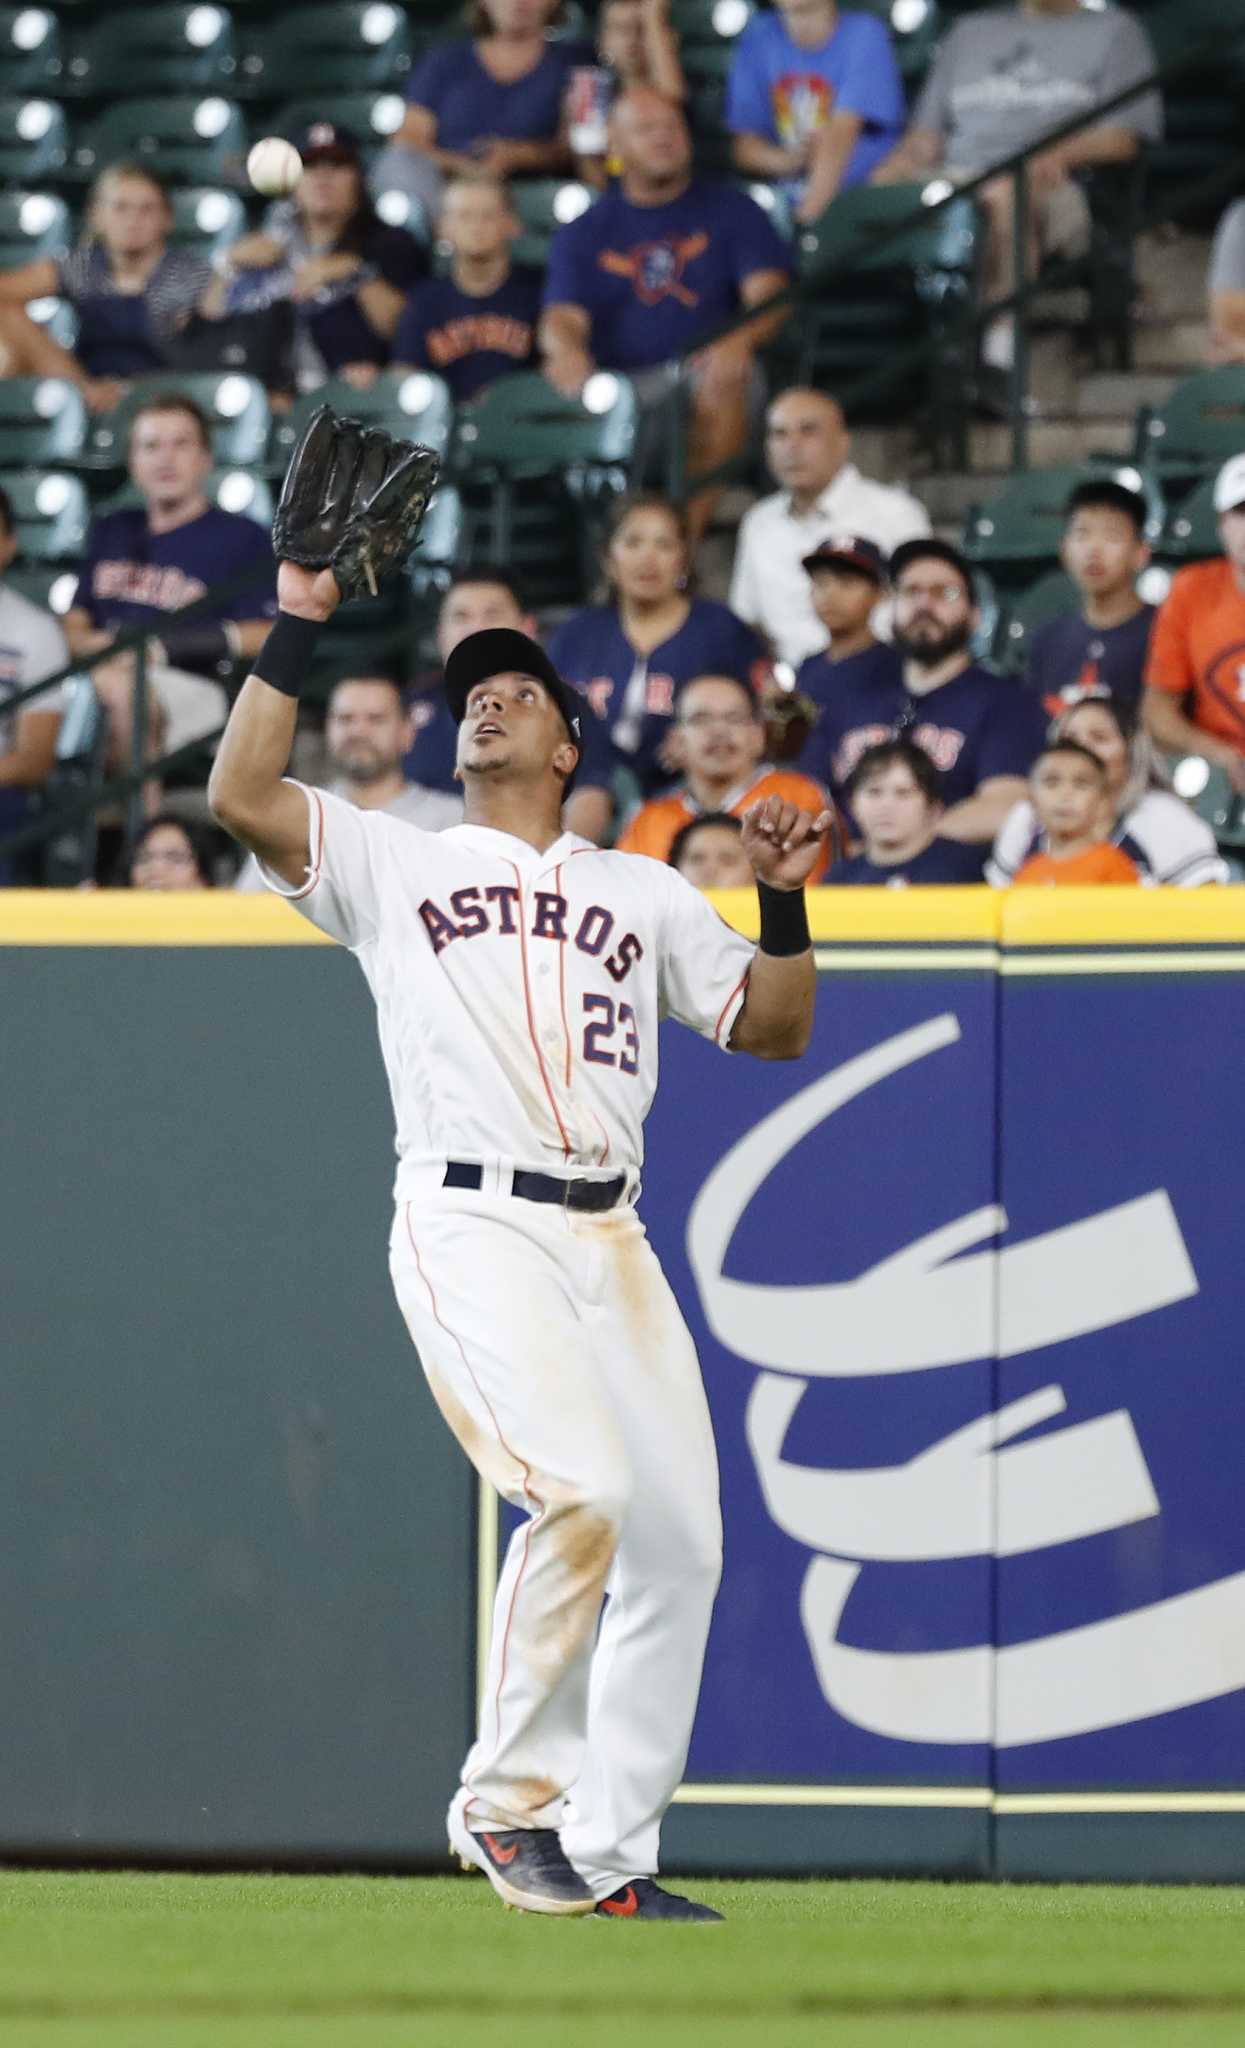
x=981, y=730
x=366, y=735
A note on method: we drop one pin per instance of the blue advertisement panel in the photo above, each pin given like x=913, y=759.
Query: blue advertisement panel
x=828, y=1227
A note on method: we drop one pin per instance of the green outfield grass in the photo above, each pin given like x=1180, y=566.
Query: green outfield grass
x=271, y=1962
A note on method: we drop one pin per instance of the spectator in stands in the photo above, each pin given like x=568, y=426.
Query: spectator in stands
x=1004, y=78
x=1193, y=701
x=848, y=577
x=1225, y=287
x=1068, y=791
x=635, y=46
x=633, y=654
x=644, y=276
x=709, y=852
x=326, y=250
x=367, y=737
x=1165, y=840
x=722, y=733
x=814, y=99
x=478, y=321
x=808, y=449
x=144, y=566
x=490, y=101
x=896, y=796
x=981, y=730
x=32, y=646
x=169, y=853
x=1103, y=645
x=131, y=292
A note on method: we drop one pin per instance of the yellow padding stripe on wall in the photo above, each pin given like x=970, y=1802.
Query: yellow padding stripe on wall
x=150, y=917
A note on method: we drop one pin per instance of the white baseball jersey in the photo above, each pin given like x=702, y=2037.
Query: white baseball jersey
x=518, y=993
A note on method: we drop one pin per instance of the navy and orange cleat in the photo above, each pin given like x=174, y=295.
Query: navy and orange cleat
x=643, y=1899
x=527, y=1868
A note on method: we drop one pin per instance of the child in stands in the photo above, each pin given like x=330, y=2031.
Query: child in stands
x=1068, y=791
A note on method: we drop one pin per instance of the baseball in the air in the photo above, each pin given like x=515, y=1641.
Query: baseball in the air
x=274, y=167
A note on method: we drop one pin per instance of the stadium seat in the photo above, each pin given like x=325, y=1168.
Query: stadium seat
x=706, y=67
x=439, y=545
x=543, y=206
x=165, y=48
x=373, y=116
x=42, y=419
x=34, y=141
x=1053, y=593
x=414, y=405
x=1202, y=423
x=914, y=27
x=206, y=218
x=236, y=408
x=234, y=490
x=402, y=210
x=48, y=584
x=32, y=224
x=1020, y=530
x=57, y=318
x=30, y=50
x=49, y=513
x=881, y=275
x=358, y=45
x=1191, y=533
x=535, y=470
x=187, y=140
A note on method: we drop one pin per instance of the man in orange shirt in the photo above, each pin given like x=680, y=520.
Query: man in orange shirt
x=721, y=731
x=1195, y=676
x=1068, y=791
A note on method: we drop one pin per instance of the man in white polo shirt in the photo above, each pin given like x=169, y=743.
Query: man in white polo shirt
x=808, y=449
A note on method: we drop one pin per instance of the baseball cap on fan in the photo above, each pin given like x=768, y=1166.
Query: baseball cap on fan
x=1230, y=484
x=501, y=651
x=848, y=551
x=326, y=143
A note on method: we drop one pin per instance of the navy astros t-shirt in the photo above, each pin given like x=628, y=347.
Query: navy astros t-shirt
x=470, y=340
x=130, y=575
x=943, y=860
x=1067, y=658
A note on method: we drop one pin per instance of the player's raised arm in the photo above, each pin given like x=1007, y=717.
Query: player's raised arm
x=350, y=508
x=775, y=1021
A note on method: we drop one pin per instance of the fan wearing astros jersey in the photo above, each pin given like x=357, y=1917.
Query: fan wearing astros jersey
x=520, y=974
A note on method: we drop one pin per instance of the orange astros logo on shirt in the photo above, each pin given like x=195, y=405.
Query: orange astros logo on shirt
x=656, y=268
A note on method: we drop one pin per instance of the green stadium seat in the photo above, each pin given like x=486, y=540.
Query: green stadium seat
x=1191, y=533
x=185, y=139
x=206, y=218
x=536, y=472
x=48, y=584
x=34, y=141
x=177, y=48
x=543, y=206
x=709, y=21
x=49, y=513
x=1039, y=602
x=884, y=275
x=358, y=45
x=57, y=318
x=915, y=27
x=439, y=544
x=1202, y=423
x=30, y=50
x=414, y=405
x=234, y=490
x=1020, y=530
x=32, y=224
x=402, y=210
x=42, y=419
x=706, y=68
x=373, y=116
x=236, y=408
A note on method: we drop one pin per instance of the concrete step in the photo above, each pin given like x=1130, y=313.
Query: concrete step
x=1051, y=442
x=1117, y=394
x=1177, y=345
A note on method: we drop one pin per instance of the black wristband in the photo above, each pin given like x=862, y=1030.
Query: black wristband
x=202, y=648
x=285, y=658
x=784, y=921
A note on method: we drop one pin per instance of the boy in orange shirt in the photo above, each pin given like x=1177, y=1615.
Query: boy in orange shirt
x=721, y=733
x=1067, y=788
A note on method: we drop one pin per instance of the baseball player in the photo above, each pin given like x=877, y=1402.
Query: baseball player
x=520, y=974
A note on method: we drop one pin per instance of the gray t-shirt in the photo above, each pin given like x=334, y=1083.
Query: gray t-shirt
x=1005, y=78
x=32, y=646
x=1227, y=257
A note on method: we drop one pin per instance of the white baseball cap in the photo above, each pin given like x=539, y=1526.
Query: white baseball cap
x=1230, y=484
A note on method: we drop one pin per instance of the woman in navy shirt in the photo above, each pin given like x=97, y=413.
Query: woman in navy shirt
x=495, y=100
x=131, y=291
x=632, y=655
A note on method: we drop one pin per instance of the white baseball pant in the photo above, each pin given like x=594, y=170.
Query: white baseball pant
x=557, y=1353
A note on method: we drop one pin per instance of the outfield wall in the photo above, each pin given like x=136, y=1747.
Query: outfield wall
x=969, y=1296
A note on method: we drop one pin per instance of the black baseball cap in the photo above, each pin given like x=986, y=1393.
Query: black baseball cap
x=930, y=548
x=503, y=650
x=327, y=139
x=848, y=551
